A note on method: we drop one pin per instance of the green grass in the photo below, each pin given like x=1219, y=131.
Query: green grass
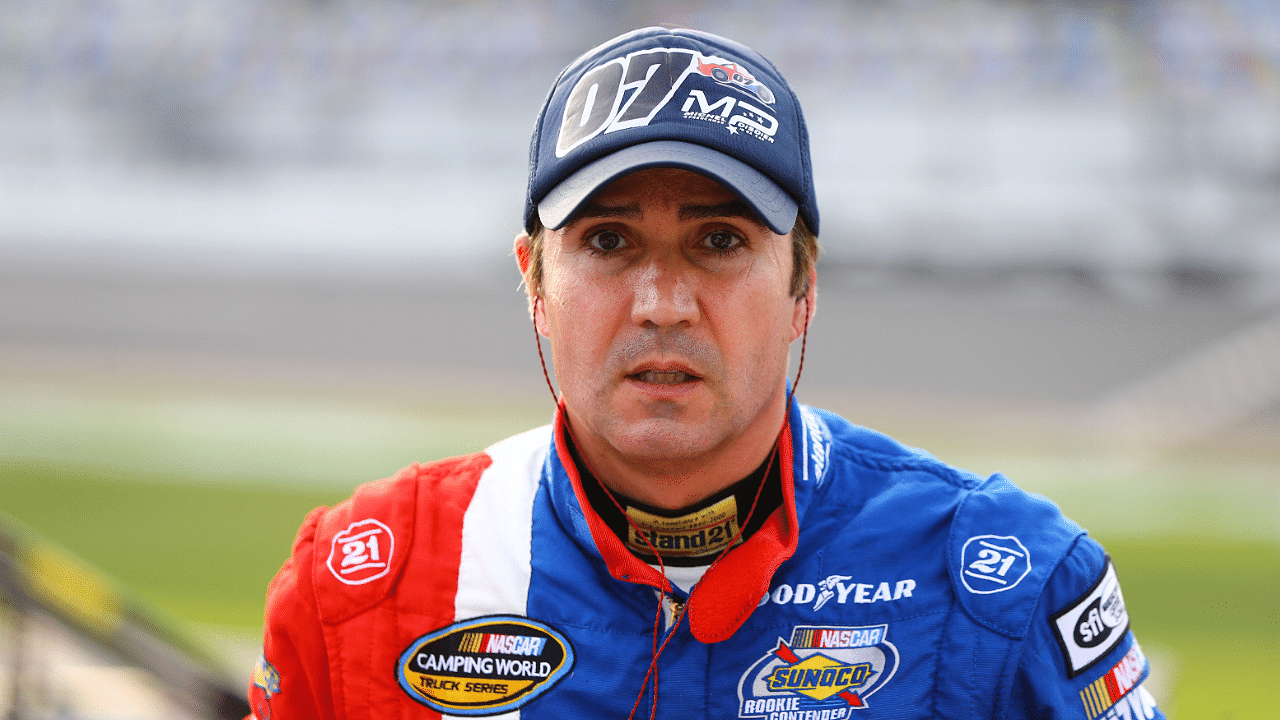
x=192, y=496
x=204, y=551
x=1213, y=606
x=180, y=434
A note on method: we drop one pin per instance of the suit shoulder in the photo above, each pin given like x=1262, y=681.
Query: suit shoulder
x=877, y=452
x=1004, y=546
x=358, y=548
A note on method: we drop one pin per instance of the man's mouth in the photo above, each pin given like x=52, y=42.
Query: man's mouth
x=664, y=377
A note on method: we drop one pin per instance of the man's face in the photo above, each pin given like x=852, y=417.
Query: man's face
x=667, y=306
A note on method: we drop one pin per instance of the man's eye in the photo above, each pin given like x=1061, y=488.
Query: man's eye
x=722, y=241
x=606, y=241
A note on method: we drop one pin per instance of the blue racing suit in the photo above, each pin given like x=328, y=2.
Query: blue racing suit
x=887, y=584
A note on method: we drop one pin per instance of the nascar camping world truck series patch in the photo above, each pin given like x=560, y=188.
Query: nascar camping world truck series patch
x=484, y=666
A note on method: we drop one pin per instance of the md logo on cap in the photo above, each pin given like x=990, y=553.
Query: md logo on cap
x=628, y=92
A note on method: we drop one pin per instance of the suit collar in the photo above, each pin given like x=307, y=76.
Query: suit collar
x=732, y=588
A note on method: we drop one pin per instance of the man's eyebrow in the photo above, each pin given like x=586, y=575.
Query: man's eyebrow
x=732, y=209
x=596, y=210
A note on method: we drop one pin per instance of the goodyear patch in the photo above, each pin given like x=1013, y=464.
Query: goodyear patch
x=703, y=532
x=484, y=666
x=823, y=673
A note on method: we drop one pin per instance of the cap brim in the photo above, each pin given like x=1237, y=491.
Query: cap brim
x=776, y=208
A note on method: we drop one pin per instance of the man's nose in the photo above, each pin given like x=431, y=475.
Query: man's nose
x=665, y=295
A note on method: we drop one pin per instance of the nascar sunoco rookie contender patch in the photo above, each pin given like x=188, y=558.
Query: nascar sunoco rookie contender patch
x=827, y=671
x=1093, y=625
x=484, y=666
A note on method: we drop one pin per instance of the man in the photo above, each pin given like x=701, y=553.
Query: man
x=686, y=540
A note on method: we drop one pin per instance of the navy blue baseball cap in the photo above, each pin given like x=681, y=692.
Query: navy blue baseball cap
x=672, y=98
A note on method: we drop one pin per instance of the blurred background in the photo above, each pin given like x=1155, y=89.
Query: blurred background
x=254, y=253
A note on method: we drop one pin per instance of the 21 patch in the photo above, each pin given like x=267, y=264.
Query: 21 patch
x=993, y=563
x=484, y=666
x=361, y=553
x=1093, y=625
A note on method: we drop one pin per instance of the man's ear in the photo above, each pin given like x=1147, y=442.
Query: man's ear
x=536, y=309
x=806, y=306
x=522, y=253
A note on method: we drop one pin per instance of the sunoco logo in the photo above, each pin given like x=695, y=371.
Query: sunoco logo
x=484, y=666
x=824, y=673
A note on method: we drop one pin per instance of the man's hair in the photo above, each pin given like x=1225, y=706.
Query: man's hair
x=804, y=254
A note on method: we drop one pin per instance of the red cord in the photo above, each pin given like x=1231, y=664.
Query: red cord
x=537, y=340
x=652, y=672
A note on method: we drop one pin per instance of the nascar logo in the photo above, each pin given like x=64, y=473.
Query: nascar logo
x=505, y=644
x=824, y=673
x=1101, y=694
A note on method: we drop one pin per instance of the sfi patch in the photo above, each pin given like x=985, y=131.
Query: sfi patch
x=1093, y=625
x=824, y=672
x=361, y=553
x=1099, y=695
x=993, y=563
x=484, y=666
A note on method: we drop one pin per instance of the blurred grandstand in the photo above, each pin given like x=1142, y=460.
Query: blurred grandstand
x=1131, y=144
x=1080, y=153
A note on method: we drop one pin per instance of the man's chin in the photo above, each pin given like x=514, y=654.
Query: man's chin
x=659, y=438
